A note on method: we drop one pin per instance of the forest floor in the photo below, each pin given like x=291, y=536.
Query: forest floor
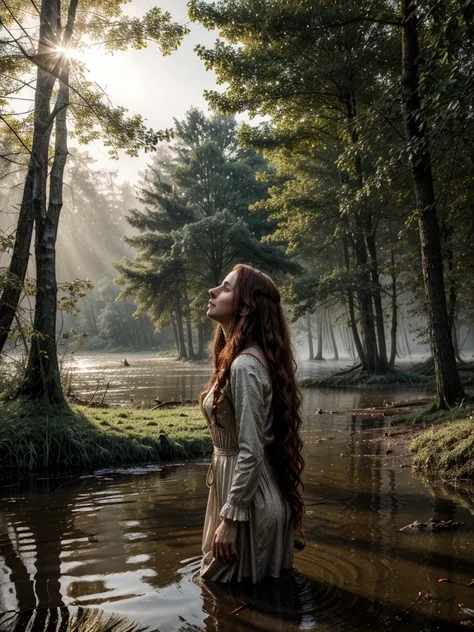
x=49, y=439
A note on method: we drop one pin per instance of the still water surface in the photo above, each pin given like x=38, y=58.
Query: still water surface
x=129, y=543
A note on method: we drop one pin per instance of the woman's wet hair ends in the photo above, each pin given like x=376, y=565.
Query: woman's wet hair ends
x=258, y=319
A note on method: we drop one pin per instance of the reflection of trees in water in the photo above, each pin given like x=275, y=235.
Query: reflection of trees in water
x=32, y=546
x=68, y=620
x=32, y=552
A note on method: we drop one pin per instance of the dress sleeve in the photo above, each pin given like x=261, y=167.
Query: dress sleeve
x=247, y=393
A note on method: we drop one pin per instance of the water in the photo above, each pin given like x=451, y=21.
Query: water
x=129, y=543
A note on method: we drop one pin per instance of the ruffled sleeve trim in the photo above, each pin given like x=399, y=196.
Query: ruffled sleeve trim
x=235, y=512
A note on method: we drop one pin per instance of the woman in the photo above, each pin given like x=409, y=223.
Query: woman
x=252, y=407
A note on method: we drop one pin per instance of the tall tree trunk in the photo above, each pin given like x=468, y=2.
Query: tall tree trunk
x=366, y=315
x=332, y=337
x=182, y=352
x=174, y=329
x=309, y=329
x=393, y=330
x=448, y=384
x=201, y=343
x=35, y=183
x=319, y=354
x=447, y=232
x=351, y=304
x=189, y=329
x=42, y=378
x=379, y=318
x=364, y=257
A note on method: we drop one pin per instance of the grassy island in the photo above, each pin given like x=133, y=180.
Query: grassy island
x=39, y=438
x=447, y=449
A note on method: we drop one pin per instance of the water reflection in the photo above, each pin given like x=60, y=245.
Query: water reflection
x=67, y=620
x=129, y=545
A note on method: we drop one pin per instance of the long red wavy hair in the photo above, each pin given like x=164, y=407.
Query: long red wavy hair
x=258, y=319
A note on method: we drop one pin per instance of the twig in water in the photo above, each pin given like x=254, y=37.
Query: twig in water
x=105, y=393
x=95, y=393
x=244, y=605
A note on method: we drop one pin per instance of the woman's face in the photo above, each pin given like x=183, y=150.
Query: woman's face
x=220, y=305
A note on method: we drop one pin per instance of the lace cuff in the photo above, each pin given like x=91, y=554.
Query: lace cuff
x=235, y=512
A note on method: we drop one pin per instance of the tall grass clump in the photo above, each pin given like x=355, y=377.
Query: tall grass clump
x=447, y=451
x=36, y=437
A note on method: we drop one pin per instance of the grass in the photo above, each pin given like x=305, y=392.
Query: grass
x=39, y=438
x=446, y=451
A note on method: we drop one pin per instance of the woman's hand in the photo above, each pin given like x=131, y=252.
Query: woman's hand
x=224, y=542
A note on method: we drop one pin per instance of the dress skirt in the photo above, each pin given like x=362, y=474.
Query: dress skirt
x=242, y=484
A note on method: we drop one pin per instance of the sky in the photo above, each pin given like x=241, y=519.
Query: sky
x=159, y=88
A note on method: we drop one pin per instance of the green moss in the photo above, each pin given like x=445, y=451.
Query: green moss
x=447, y=451
x=37, y=437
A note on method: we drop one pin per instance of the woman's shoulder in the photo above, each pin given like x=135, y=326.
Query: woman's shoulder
x=250, y=358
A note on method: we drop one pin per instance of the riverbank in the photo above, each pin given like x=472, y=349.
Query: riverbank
x=42, y=439
x=446, y=450
x=441, y=442
x=419, y=374
x=356, y=376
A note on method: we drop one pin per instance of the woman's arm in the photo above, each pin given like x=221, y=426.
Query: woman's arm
x=247, y=393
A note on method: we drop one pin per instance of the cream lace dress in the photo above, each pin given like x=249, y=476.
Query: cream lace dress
x=242, y=484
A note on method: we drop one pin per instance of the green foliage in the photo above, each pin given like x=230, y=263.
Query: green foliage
x=73, y=291
x=327, y=76
x=99, y=23
x=197, y=224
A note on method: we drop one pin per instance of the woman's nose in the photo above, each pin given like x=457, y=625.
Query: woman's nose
x=212, y=292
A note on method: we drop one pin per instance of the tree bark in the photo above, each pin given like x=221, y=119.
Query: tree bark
x=182, y=352
x=393, y=331
x=34, y=189
x=319, y=354
x=189, y=329
x=174, y=329
x=43, y=378
x=332, y=337
x=310, y=336
x=448, y=384
x=370, y=363
x=201, y=343
x=379, y=318
x=351, y=304
x=365, y=258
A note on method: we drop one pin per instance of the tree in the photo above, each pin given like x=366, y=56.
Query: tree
x=448, y=384
x=329, y=76
x=318, y=83
x=196, y=225
x=52, y=58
